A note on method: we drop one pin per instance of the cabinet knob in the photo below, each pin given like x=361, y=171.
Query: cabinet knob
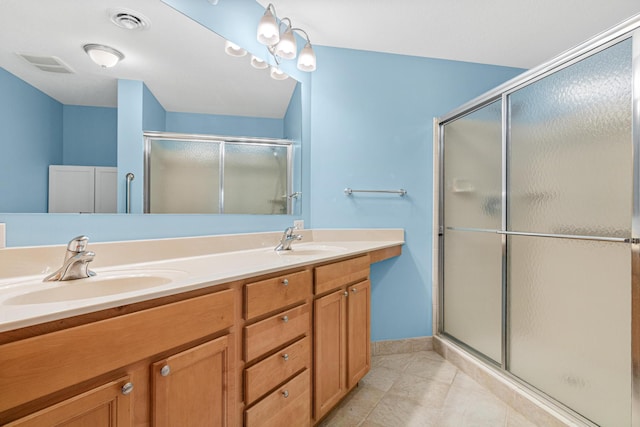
x=165, y=371
x=127, y=388
x=346, y=294
x=285, y=282
x=285, y=357
x=285, y=319
x=285, y=394
x=354, y=290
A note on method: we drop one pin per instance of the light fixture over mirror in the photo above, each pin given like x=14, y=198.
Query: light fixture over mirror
x=104, y=56
x=281, y=42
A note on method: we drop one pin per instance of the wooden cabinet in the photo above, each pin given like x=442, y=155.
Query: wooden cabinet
x=108, y=405
x=288, y=405
x=330, y=350
x=282, y=349
x=358, y=332
x=277, y=349
x=58, y=372
x=342, y=354
x=190, y=388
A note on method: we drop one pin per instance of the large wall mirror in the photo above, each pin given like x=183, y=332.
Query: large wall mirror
x=60, y=108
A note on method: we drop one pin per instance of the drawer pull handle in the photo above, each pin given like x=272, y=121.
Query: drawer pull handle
x=165, y=371
x=285, y=282
x=285, y=319
x=285, y=394
x=285, y=357
x=127, y=388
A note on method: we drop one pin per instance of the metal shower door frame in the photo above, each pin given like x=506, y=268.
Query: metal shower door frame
x=629, y=29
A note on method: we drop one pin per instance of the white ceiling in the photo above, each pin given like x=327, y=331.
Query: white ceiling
x=181, y=62
x=516, y=33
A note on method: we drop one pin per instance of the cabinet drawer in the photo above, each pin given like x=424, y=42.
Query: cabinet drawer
x=78, y=354
x=288, y=405
x=274, y=331
x=275, y=369
x=341, y=273
x=273, y=294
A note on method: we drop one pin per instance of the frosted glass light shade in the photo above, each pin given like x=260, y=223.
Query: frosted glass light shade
x=287, y=47
x=307, y=59
x=233, y=49
x=104, y=56
x=278, y=74
x=268, y=31
x=258, y=63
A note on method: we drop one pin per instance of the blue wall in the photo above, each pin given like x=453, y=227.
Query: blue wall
x=89, y=136
x=372, y=128
x=30, y=140
x=224, y=125
x=367, y=123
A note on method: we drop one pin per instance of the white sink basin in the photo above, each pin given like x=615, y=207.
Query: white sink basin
x=103, y=284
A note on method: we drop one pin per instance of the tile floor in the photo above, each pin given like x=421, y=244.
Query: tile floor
x=421, y=389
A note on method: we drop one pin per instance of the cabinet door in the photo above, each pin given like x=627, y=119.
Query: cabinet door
x=330, y=351
x=358, y=332
x=71, y=189
x=106, y=186
x=191, y=388
x=104, y=406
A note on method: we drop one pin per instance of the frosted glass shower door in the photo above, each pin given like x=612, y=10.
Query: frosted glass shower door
x=255, y=179
x=185, y=177
x=472, y=270
x=569, y=176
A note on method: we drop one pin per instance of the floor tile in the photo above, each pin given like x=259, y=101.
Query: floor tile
x=428, y=367
x=397, y=411
x=421, y=389
x=397, y=362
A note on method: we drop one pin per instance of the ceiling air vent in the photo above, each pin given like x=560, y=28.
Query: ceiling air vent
x=128, y=19
x=50, y=64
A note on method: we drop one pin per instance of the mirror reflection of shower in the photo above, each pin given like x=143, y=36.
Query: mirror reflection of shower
x=212, y=174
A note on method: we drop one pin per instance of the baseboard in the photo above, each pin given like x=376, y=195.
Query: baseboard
x=407, y=345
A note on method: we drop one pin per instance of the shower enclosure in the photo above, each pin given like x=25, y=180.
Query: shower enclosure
x=188, y=173
x=539, y=226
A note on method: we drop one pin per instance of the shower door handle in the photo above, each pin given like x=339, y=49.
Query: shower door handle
x=566, y=236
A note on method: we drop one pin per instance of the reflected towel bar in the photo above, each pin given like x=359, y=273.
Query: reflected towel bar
x=349, y=191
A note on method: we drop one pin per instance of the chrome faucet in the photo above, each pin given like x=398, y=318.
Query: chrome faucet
x=287, y=238
x=76, y=262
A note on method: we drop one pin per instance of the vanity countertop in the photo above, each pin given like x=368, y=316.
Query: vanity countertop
x=163, y=267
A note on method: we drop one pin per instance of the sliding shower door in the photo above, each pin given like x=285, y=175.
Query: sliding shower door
x=570, y=179
x=535, y=256
x=472, y=250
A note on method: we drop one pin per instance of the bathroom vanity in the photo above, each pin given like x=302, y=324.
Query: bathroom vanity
x=234, y=334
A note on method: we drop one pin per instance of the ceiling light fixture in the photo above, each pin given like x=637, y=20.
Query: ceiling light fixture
x=233, y=49
x=277, y=74
x=104, y=56
x=282, y=44
x=258, y=63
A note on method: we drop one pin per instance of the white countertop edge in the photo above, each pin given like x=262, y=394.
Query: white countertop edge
x=263, y=261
